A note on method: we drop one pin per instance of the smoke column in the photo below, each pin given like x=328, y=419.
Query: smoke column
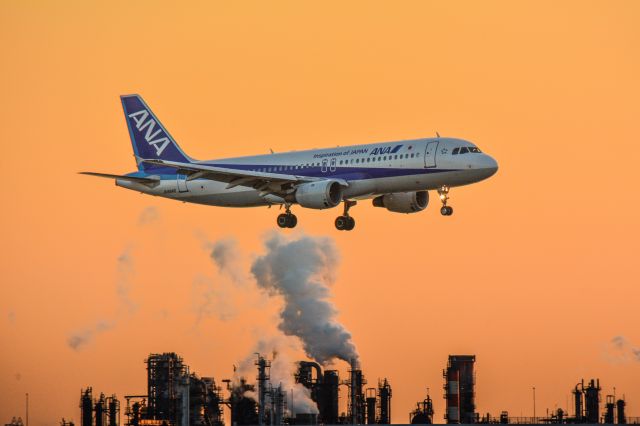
x=301, y=271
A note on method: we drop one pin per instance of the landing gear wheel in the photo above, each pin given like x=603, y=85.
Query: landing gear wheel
x=292, y=220
x=443, y=193
x=283, y=220
x=287, y=219
x=341, y=223
x=446, y=210
x=346, y=222
x=351, y=223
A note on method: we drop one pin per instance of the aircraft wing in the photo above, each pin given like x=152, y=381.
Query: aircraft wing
x=267, y=183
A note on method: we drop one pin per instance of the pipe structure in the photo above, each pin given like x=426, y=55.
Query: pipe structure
x=100, y=411
x=384, y=396
x=315, y=366
x=263, y=379
x=577, y=395
x=113, y=408
x=371, y=405
x=86, y=407
x=592, y=401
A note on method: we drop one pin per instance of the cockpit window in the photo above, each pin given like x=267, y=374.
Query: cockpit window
x=455, y=151
x=464, y=150
x=474, y=149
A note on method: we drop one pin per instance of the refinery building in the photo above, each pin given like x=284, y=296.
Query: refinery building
x=177, y=396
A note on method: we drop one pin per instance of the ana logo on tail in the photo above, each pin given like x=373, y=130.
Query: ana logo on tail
x=140, y=118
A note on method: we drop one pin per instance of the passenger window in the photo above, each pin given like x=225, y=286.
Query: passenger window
x=368, y=160
x=464, y=150
x=411, y=155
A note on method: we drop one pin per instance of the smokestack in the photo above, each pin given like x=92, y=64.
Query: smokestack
x=263, y=378
x=384, y=392
x=622, y=418
x=453, y=396
x=356, y=397
x=459, y=386
x=86, y=407
x=352, y=382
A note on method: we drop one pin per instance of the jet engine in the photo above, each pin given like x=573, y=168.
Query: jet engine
x=403, y=202
x=322, y=194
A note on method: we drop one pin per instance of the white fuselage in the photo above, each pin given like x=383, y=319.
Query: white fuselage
x=369, y=170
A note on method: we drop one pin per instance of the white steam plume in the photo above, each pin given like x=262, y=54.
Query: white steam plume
x=281, y=351
x=211, y=300
x=301, y=271
x=226, y=256
x=82, y=337
x=123, y=283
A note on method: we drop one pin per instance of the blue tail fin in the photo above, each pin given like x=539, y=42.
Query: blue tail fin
x=149, y=138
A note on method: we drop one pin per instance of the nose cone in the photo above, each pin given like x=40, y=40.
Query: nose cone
x=491, y=165
x=487, y=166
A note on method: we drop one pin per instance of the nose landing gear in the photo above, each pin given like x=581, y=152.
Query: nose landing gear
x=346, y=222
x=288, y=219
x=443, y=192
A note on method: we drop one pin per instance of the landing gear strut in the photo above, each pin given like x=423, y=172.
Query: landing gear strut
x=346, y=222
x=288, y=219
x=443, y=192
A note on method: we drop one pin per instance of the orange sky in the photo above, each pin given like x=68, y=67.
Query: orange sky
x=535, y=272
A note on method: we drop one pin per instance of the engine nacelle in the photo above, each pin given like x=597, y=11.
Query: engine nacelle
x=403, y=202
x=322, y=194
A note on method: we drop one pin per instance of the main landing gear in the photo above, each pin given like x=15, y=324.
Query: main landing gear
x=346, y=222
x=288, y=219
x=443, y=192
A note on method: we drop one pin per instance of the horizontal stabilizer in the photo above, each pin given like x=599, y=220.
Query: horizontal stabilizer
x=145, y=180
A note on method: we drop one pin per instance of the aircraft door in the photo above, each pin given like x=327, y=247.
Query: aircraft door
x=430, y=154
x=324, y=165
x=181, y=180
x=333, y=165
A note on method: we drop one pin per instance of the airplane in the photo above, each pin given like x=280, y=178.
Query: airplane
x=394, y=175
